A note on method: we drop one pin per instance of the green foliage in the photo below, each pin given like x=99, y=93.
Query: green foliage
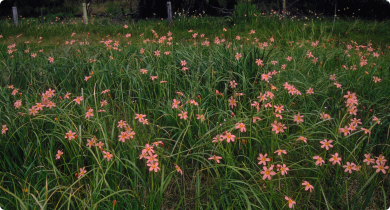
x=31, y=176
x=245, y=11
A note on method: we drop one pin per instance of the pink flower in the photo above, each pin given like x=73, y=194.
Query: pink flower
x=155, y=144
x=123, y=137
x=121, y=124
x=280, y=152
x=178, y=169
x=241, y=126
x=99, y=144
x=232, y=102
x=103, y=103
x=308, y=186
x=254, y=119
x=82, y=172
x=381, y=167
x=4, y=129
x=263, y=97
x=263, y=159
x=200, y=117
x=38, y=106
x=18, y=104
x=175, y=103
x=91, y=142
x=335, y=159
x=14, y=92
x=145, y=121
x=291, y=203
x=33, y=111
x=89, y=114
x=298, y=118
x=218, y=138
x=368, y=159
x=229, y=137
x=183, y=115
x=58, y=155
x=51, y=60
x=348, y=167
x=301, y=138
x=268, y=172
x=107, y=155
x=278, y=127
x=375, y=119
x=143, y=155
x=280, y=109
x=337, y=85
x=70, y=135
x=356, y=121
x=148, y=149
x=324, y=116
x=144, y=71
x=319, y=161
x=154, y=167
x=67, y=95
x=238, y=56
x=50, y=104
x=78, y=100
x=310, y=91
x=345, y=130
x=325, y=143
x=104, y=91
x=352, y=126
x=216, y=158
x=233, y=84
x=366, y=130
x=282, y=168
x=278, y=115
x=376, y=79
x=151, y=158
x=140, y=117
x=259, y=62
x=381, y=159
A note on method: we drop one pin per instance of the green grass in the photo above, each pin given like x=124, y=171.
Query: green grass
x=32, y=178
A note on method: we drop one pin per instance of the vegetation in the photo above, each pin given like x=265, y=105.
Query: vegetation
x=201, y=114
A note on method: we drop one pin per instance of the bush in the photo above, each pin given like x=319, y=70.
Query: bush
x=244, y=11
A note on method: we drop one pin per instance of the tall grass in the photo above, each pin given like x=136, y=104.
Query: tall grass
x=32, y=177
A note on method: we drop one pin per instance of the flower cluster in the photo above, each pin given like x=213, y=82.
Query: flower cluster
x=127, y=134
x=291, y=89
x=149, y=154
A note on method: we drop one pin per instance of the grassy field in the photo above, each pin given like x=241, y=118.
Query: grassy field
x=203, y=114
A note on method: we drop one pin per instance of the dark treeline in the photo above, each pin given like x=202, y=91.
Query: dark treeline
x=374, y=9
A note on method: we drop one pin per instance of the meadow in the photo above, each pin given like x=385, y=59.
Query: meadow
x=205, y=113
